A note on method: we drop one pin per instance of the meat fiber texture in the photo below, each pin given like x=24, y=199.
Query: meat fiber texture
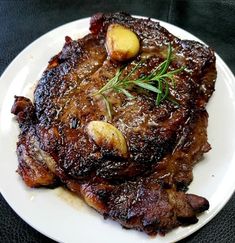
x=146, y=189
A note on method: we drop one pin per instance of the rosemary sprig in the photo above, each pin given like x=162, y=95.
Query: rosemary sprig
x=157, y=81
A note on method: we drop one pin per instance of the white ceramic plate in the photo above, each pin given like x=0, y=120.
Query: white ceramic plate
x=66, y=218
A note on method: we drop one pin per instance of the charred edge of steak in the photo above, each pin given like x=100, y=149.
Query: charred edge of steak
x=35, y=165
x=24, y=111
x=199, y=204
x=192, y=144
x=78, y=60
x=143, y=205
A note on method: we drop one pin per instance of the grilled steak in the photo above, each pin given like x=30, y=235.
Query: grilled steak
x=144, y=187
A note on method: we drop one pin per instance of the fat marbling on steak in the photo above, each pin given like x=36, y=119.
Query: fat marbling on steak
x=144, y=189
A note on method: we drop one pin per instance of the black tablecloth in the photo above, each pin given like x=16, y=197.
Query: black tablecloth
x=21, y=22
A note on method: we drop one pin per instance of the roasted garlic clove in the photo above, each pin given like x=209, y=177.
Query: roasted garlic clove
x=121, y=43
x=107, y=136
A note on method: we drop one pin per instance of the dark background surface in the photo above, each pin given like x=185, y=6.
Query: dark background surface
x=21, y=22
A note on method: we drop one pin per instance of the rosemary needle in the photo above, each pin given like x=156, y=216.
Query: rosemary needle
x=157, y=81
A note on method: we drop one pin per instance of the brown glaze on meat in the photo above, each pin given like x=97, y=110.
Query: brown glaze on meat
x=145, y=188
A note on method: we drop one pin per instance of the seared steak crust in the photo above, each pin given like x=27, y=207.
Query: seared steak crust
x=145, y=189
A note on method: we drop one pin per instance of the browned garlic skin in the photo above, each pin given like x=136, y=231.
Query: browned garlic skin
x=108, y=136
x=122, y=44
